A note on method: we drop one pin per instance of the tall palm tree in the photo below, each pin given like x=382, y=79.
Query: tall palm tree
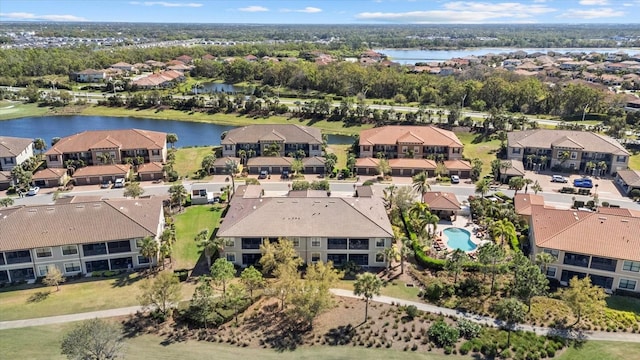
x=388, y=196
x=543, y=260
x=231, y=166
x=482, y=187
x=177, y=193
x=149, y=249
x=502, y=229
x=527, y=182
x=421, y=184
x=208, y=162
x=210, y=244
x=368, y=285
x=242, y=154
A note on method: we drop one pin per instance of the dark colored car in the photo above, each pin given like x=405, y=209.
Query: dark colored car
x=285, y=174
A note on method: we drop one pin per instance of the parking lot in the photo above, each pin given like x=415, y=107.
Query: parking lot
x=605, y=186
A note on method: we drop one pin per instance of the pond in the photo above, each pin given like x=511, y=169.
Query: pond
x=189, y=133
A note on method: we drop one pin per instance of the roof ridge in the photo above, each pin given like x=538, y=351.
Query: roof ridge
x=365, y=215
x=108, y=202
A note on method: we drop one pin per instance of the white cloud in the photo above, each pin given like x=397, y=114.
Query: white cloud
x=594, y=2
x=468, y=12
x=591, y=13
x=254, y=8
x=30, y=16
x=308, y=10
x=165, y=4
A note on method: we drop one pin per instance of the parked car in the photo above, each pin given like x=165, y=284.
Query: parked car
x=263, y=174
x=559, y=179
x=455, y=179
x=583, y=183
x=33, y=191
x=105, y=185
x=119, y=183
x=285, y=174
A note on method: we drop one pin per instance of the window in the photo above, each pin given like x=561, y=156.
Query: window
x=315, y=257
x=251, y=243
x=2, y=259
x=551, y=272
x=380, y=243
x=17, y=257
x=366, y=148
x=69, y=249
x=405, y=149
x=621, y=158
x=139, y=243
x=228, y=147
x=576, y=260
x=515, y=150
x=335, y=243
x=72, y=267
x=379, y=257
x=416, y=149
x=315, y=242
x=229, y=243
x=43, y=252
x=155, y=152
x=21, y=274
x=121, y=263
x=116, y=247
x=457, y=151
x=94, y=249
x=574, y=155
x=631, y=266
x=553, y=252
x=142, y=260
x=337, y=259
x=43, y=270
x=358, y=244
x=360, y=259
x=296, y=242
x=315, y=147
x=603, y=264
x=9, y=160
x=231, y=257
x=627, y=284
x=52, y=158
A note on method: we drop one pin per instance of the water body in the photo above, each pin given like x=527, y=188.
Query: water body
x=189, y=133
x=412, y=56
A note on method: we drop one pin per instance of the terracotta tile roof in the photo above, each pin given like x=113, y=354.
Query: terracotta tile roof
x=5, y=176
x=630, y=177
x=516, y=169
x=544, y=139
x=78, y=223
x=153, y=167
x=599, y=234
x=406, y=163
x=524, y=202
x=290, y=133
x=91, y=72
x=121, y=64
x=439, y=200
x=270, y=161
x=457, y=165
x=367, y=162
x=223, y=161
x=128, y=139
x=102, y=170
x=313, y=161
x=390, y=135
x=49, y=173
x=13, y=146
x=303, y=217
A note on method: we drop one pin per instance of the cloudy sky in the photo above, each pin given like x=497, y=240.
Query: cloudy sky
x=326, y=11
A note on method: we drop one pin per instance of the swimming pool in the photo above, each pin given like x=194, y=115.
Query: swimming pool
x=459, y=239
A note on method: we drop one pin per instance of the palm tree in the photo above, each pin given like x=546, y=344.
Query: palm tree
x=543, y=260
x=504, y=166
x=502, y=229
x=530, y=158
x=388, y=196
x=172, y=139
x=543, y=162
x=272, y=150
x=208, y=163
x=383, y=167
x=231, y=166
x=405, y=251
x=527, y=182
x=389, y=254
x=165, y=252
x=149, y=249
x=177, y=194
x=106, y=158
x=421, y=184
x=39, y=145
x=602, y=168
x=482, y=187
x=563, y=156
x=210, y=244
x=242, y=154
x=368, y=285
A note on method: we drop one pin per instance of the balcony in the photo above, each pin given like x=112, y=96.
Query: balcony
x=94, y=249
x=18, y=257
x=251, y=243
x=576, y=260
x=603, y=264
x=337, y=244
x=358, y=244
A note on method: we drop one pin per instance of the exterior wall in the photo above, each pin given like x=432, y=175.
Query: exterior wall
x=50, y=182
x=151, y=176
x=228, y=150
x=315, y=152
x=98, y=179
x=617, y=275
x=618, y=165
x=8, y=163
x=515, y=155
x=54, y=161
x=366, y=151
x=455, y=153
x=306, y=250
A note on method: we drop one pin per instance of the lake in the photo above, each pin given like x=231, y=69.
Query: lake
x=189, y=133
x=412, y=56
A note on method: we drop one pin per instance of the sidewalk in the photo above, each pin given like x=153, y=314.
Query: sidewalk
x=69, y=318
x=590, y=335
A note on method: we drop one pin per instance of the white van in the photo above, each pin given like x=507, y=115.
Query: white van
x=119, y=183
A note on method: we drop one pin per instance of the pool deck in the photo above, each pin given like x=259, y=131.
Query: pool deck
x=460, y=222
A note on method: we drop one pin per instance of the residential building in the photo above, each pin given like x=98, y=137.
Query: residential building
x=321, y=228
x=50, y=177
x=276, y=165
x=108, y=147
x=76, y=235
x=14, y=151
x=5, y=180
x=582, y=147
x=259, y=138
x=95, y=175
x=604, y=245
x=628, y=180
x=89, y=76
x=151, y=171
x=124, y=67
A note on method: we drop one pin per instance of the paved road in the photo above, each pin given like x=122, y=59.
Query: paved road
x=592, y=335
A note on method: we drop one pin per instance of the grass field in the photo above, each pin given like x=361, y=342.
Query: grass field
x=634, y=161
x=341, y=152
x=485, y=150
x=19, y=343
x=332, y=127
x=188, y=224
x=188, y=160
x=13, y=110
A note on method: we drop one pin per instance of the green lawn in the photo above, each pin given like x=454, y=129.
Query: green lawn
x=396, y=289
x=19, y=343
x=634, y=161
x=332, y=127
x=188, y=224
x=13, y=110
x=623, y=303
x=341, y=152
x=483, y=150
x=188, y=160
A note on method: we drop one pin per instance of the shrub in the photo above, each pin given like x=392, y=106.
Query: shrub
x=182, y=274
x=368, y=182
x=466, y=347
x=468, y=329
x=442, y=334
x=505, y=354
x=411, y=311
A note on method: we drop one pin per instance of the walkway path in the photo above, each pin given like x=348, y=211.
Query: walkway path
x=591, y=335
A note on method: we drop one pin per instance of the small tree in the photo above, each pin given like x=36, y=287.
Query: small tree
x=6, y=202
x=454, y=263
x=236, y=297
x=177, y=194
x=491, y=255
x=54, y=277
x=635, y=194
x=582, y=297
x=222, y=271
x=149, y=249
x=203, y=304
x=367, y=285
x=161, y=293
x=297, y=166
x=512, y=312
x=536, y=187
x=93, y=339
x=252, y=279
x=133, y=190
x=482, y=187
x=383, y=167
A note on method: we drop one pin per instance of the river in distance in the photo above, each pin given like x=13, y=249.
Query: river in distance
x=412, y=56
x=189, y=133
